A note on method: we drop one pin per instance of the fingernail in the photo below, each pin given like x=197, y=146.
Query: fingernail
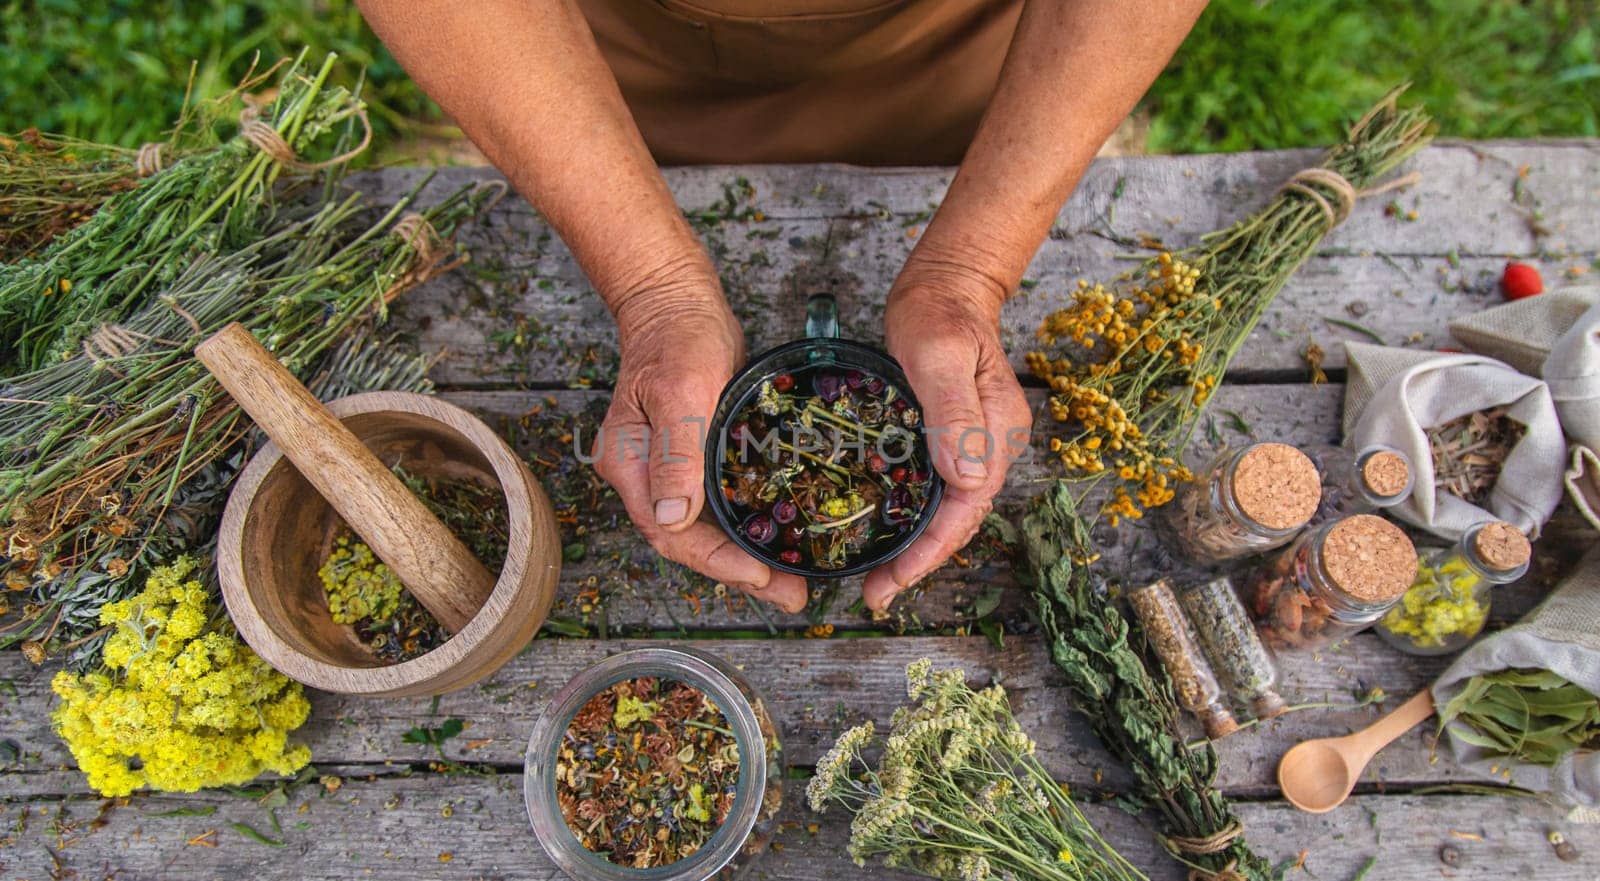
x=969, y=467
x=670, y=511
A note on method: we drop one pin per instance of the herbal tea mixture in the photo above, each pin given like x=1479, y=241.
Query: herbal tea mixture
x=824, y=466
x=368, y=596
x=647, y=772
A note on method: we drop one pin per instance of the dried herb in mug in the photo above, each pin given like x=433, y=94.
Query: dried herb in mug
x=647, y=772
x=822, y=468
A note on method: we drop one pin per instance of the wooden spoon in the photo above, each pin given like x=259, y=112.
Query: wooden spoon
x=1318, y=775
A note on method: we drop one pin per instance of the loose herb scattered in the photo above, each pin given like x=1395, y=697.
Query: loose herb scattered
x=1533, y=716
x=824, y=466
x=1469, y=451
x=647, y=772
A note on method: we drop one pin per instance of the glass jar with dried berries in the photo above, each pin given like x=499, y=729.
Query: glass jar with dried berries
x=1332, y=582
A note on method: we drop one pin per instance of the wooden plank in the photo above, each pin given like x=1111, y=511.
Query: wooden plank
x=524, y=312
x=819, y=687
x=430, y=826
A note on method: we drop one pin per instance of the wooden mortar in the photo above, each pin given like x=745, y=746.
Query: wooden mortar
x=331, y=464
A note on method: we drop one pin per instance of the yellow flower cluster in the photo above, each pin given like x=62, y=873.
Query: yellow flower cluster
x=183, y=705
x=1134, y=350
x=358, y=586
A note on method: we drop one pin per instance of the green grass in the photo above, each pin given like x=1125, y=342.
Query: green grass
x=1291, y=73
x=1255, y=74
x=114, y=71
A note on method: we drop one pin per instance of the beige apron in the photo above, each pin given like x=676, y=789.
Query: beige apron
x=873, y=82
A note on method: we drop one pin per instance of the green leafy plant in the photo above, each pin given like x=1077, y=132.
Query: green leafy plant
x=1534, y=716
x=1266, y=74
x=116, y=71
x=435, y=737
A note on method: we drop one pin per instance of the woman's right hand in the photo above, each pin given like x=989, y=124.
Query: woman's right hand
x=680, y=345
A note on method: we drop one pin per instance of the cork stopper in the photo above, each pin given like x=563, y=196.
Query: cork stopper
x=1502, y=546
x=1369, y=558
x=1217, y=721
x=1386, y=474
x=1277, y=486
x=1269, y=705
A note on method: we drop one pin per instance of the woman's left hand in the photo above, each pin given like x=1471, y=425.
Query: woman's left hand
x=943, y=326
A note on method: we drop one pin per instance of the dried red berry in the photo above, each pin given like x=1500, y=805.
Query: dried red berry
x=877, y=463
x=790, y=556
x=783, y=382
x=1520, y=280
x=898, y=475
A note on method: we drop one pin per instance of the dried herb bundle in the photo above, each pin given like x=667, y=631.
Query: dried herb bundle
x=1533, y=716
x=1139, y=398
x=958, y=792
x=1469, y=451
x=116, y=447
x=1130, y=367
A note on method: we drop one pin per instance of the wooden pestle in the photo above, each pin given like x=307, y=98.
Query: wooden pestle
x=431, y=562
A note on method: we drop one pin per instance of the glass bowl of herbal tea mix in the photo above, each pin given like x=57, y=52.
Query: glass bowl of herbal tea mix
x=817, y=459
x=657, y=763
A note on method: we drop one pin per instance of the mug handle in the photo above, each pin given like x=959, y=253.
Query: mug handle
x=822, y=316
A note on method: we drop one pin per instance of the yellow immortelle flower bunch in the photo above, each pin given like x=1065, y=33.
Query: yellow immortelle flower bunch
x=184, y=704
x=958, y=792
x=1128, y=364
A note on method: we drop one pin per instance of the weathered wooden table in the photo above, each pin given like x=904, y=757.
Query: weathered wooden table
x=527, y=344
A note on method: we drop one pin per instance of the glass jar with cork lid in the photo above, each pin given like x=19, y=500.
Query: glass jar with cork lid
x=1334, y=581
x=1448, y=604
x=1244, y=502
x=1359, y=481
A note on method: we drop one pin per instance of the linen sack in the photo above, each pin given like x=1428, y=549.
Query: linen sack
x=1555, y=336
x=1561, y=635
x=1393, y=396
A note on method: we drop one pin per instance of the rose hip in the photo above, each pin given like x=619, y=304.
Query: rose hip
x=783, y=382
x=877, y=463
x=760, y=529
x=790, y=556
x=793, y=533
x=898, y=475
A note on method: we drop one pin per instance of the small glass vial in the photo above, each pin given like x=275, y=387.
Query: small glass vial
x=1234, y=648
x=1244, y=502
x=753, y=819
x=1174, y=641
x=1448, y=604
x=1359, y=481
x=1332, y=582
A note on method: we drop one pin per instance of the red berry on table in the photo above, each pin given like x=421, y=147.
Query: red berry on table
x=1520, y=280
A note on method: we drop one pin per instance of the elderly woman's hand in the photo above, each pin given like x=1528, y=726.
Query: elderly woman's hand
x=943, y=326
x=680, y=344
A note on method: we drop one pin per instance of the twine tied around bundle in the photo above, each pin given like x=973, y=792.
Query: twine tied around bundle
x=110, y=341
x=264, y=137
x=1209, y=845
x=150, y=159
x=433, y=253
x=1319, y=184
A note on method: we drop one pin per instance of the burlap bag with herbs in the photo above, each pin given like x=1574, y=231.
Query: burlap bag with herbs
x=1556, y=337
x=1393, y=396
x=1562, y=635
